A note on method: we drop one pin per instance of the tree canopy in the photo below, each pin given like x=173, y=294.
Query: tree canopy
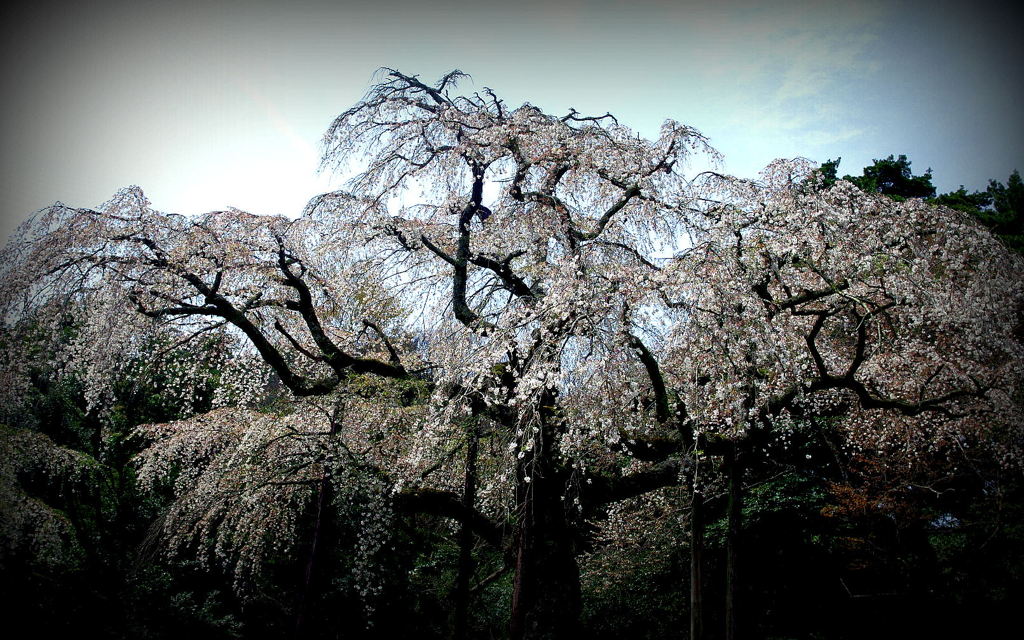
x=518, y=321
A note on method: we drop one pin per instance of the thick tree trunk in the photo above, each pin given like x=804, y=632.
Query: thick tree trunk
x=546, y=600
x=546, y=590
x=734, y=470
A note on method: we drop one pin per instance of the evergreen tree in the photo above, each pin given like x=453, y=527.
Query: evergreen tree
x=892, y=177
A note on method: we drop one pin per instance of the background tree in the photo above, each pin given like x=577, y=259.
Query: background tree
x=890, y=176
x=998, y=208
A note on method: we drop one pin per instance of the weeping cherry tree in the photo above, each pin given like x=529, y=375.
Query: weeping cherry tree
x=513, y=320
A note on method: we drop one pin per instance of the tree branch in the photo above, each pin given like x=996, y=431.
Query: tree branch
x=661, y=403
x=448, y=505
x=602, y=490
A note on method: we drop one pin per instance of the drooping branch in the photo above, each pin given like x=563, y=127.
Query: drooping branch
x=804, y=297
x=182, y=310
x=516, y=285
x=217, y=305
x=630, y=192
x=295, y=343
x=633, y=252
x=337, y=359
x=448, y=505
x=435, y=94
x=429, y=244
x=575, y=116
x=603, y=490
x=392, y=353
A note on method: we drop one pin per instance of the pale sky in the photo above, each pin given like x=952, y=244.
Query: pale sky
x=212, y=104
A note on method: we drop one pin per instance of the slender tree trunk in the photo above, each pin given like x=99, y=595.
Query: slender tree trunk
x=734, y=470
x=466, y=538
x=323, y=487
x=696, y=562
x=307, y=577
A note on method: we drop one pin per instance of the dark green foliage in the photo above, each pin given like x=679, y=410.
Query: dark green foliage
x=1006, y=217
x=1008, y=201
x=431, y=578
x=829, y=171
x=645, y=599
x=107, y=588
x=961, y=200
x=636, y=585
x=892, y=177
x=834, y=547
x=889, y=176
x=174, y=600
x=821, y=557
